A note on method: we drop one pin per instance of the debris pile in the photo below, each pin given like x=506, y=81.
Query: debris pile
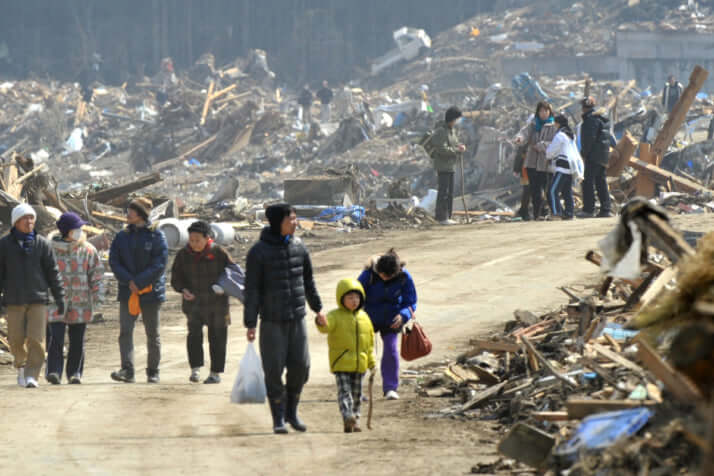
x=618, y=380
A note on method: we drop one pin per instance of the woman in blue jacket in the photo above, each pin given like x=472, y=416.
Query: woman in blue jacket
x=391, y=302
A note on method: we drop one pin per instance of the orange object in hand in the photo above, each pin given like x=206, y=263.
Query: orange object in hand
x=134, y=304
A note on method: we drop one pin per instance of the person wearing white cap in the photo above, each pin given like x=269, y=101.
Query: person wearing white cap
x=27, y=270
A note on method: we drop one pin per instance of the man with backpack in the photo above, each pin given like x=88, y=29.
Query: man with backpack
x=595, y=141
x=444, y=148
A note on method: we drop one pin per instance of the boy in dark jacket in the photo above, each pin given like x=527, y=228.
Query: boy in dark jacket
x=138, y=257
x=27, y=269
x=595, y=150
x=390, y=302
x=278, y=281
x=196, y=269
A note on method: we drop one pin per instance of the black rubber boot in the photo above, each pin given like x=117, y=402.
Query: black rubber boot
x=277, y=409
x=291, y=415
x=525, y=203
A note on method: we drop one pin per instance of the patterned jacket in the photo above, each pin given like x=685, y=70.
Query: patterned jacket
x=197, y=272
x=535, y=155
x=81, y=272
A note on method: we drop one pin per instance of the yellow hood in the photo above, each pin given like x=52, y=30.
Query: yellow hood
x=346, y=285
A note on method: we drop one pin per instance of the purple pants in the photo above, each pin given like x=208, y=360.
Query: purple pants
x=390, y=361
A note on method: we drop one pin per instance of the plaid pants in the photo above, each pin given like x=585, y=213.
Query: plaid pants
x=349, y=393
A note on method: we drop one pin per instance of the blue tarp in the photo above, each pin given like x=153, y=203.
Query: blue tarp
x=604, y=429
x=528, y=88
x=334, y=214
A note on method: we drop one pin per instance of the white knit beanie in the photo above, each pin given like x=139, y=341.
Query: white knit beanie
x=20, y=211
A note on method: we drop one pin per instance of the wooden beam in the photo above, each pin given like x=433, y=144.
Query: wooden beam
x=40, y=168
x=677, y=383
x=550, y=416
x=547, y=364
x=652, y=174
x=625, y=148
x=223, y=91
x=171, y=162
x=111, y=193
x=617, y=358
x=106, y=216
x=207, y=103
x=483, y=396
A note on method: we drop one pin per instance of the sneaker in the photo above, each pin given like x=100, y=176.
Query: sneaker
x=53, y=378
x=75, y=380
x=152, y=378
x=584, y=214
x=392, y=395
x=30, y=382
x=21, y=376
x=213, y=378
x=605, y=215
x=447, y=222
x=218, y=290
x=195, y=375
x=123, y=375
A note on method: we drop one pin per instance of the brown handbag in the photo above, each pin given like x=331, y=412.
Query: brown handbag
x=415, y=343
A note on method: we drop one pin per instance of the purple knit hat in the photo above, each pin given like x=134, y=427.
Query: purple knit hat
x=69, y=221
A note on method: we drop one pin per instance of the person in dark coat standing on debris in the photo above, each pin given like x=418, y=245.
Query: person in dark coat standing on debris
x=305, y=101
x=445, y=151
x=278, y=282
x=27, y=270
x=138, y=257
x=671, y=93
x=325, y=96
x=537, y=135
x=595, y=141
x=195, y=272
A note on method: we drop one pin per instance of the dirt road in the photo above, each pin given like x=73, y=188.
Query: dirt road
x=469, y=278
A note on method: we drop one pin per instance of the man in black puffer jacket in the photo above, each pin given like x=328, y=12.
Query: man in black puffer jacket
x=27, y=270
x=278, y=281
x=595, y=141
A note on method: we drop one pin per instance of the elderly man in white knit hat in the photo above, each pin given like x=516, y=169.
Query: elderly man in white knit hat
x=27, y=271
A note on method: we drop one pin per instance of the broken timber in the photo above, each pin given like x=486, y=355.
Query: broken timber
x=120, y=191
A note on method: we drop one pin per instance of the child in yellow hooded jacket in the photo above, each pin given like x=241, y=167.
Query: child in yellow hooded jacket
x=350, y=339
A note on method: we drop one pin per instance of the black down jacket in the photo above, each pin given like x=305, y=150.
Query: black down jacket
x=278, y=279
x=25, y=278
x=595, y=139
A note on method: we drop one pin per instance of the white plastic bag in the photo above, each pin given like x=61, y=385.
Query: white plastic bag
x=249, y=386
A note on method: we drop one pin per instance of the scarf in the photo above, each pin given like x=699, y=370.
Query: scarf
x=27, y=240
x=539, y=123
